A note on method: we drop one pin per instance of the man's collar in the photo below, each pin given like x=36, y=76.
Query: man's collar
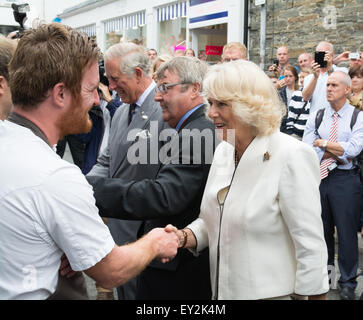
x=144, y=95
x=24, y=122
x=186, y=116
x=340, y=112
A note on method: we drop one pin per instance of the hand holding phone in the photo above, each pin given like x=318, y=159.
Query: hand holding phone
x=354, y=55
x=319, y=58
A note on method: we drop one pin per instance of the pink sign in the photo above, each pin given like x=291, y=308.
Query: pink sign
x=213, y=50
x=179, y=48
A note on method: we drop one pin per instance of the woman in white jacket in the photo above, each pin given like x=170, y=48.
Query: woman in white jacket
x=260, y=214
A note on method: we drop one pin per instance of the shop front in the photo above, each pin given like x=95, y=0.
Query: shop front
x=213, y=23
x=124, y=29
x=167, y=26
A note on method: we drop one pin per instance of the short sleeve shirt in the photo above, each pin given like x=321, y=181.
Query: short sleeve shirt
x=47, y=208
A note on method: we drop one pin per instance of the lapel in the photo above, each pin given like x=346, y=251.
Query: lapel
x=250, y=169
x=174, y=138
x=195, y=115
x=140, y=122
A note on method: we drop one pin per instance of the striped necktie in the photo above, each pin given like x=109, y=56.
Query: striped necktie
x=333, y=137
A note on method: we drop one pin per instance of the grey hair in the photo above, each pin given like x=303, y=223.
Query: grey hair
x=7, y=49
x=131, y=56
x=189, y=69
x=344, y=78
x=331, y=47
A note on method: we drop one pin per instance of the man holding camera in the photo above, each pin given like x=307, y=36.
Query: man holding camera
x=315, y=83
x=337, y=141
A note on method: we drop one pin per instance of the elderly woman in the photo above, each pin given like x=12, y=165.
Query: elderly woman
x=260, y=213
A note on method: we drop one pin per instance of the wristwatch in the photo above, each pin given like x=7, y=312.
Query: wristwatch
x=325, y=143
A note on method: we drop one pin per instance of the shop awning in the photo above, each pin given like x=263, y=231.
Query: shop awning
x=172, y=11
x=90, y=30
x=125, y=22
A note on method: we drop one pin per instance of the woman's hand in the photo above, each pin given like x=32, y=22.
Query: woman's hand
x=186, y=237
x=104, y=92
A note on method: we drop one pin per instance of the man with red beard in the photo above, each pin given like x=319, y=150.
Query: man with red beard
x=48, y=218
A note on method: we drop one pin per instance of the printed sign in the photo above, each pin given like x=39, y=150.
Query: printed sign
x=213, y=50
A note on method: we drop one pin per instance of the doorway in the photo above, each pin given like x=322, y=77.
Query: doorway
x=214, y=36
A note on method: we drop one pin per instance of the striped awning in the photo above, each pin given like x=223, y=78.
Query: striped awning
x=125, y=22
x=114, y=24
x=90, y=30
x=172, y=11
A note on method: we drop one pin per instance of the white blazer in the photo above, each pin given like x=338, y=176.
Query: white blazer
x=268, y=241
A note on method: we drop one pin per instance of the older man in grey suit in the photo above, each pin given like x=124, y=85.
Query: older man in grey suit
x=127, y=68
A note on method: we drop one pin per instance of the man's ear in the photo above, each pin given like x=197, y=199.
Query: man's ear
x=196, y=88
x=60, y=95
x=347, y=90
x=139, y=73
x=3, y=85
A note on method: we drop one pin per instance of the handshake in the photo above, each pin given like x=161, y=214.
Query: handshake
x=167, y=241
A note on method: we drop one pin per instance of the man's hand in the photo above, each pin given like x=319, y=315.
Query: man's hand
x=316, y=69
x=319, y=143
x=274, y=67
x=65, y=269
x=280, y=84
x=167, y=244
x=329, y=56
x=342, y=57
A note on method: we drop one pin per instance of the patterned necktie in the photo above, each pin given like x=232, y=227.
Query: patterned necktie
x=333, y=137
x=132, y=111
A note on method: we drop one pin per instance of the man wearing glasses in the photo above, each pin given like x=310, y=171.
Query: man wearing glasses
x=174, y=196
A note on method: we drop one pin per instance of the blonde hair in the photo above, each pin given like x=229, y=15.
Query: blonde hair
x=236, y=45
x=162, y=58
x=251, y=93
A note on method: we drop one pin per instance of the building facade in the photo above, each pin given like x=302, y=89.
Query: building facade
x=302, y=24
x=206, y=25
x=162, y=24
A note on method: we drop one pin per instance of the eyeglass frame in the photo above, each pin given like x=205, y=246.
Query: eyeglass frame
x=163, y=88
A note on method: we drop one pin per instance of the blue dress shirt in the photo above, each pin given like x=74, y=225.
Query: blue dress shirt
x=350, y=140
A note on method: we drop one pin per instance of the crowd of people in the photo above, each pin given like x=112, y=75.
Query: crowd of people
x=189, y=182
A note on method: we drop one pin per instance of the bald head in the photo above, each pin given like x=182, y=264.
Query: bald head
x=282, y=55
x=305, y=60
x=343, y=77
x=325, y=46
x=338, y=89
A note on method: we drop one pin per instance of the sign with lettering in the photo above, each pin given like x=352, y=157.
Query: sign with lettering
x=213, y=50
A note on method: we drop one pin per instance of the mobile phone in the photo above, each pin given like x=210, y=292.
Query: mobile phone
x=319, y=58
x=276, y=62
x=354, y=55
x=282, y=77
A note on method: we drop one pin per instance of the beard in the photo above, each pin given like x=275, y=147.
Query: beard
x=76, y=121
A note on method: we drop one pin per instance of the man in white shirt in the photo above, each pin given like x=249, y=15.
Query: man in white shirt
x=47, y=207
x=315, y=83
